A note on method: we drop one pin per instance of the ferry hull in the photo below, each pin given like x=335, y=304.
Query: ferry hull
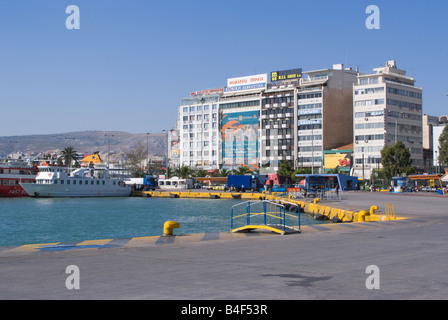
x=54, y=191
x=13, y=191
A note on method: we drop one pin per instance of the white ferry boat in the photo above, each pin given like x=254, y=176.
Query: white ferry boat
x=57, y=181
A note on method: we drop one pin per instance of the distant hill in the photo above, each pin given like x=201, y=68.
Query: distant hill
x=85, y=142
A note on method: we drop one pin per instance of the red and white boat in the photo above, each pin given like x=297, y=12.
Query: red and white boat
x=14, y=172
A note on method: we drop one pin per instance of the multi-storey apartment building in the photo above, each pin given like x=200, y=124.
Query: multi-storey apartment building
x=199, y=133
x=279, y=124
x=429, y=122
x=325, y=117
x=301, y=116
x=387, y=108
x=436, y=133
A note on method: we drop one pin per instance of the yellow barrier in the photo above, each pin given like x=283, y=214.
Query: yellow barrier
x=310, y=207
x=390, y=212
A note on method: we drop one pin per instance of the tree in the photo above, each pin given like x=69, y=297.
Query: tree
x=300, y=171
x=241, y=171
x=335, y=171
x=201, y=173
x=396, y=160
x=183, y=172
x=136, y=159
x=222, y=173
x=443, y=147
x=285, y=169
x=68, y=155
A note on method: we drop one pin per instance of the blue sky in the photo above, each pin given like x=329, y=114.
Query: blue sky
x=131, y=62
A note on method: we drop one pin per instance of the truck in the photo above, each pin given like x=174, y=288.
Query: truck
x=276, y=183
x=148, y=182
x=243, y=182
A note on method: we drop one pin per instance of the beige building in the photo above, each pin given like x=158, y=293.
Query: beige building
x=325, y=116
x=301, y=118
x=387, y=107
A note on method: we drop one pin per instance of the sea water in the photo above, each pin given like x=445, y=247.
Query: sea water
x=49, y=220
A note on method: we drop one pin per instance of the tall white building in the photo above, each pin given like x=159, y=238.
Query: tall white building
x=436, y=133
x=387, y=107
x=199, y=133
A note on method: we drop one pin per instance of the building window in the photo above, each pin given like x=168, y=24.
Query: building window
x=371, y=102
x=369, y=90
x=365, y=81
x=311, y=95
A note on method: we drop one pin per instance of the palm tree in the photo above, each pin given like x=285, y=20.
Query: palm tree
x=241, y=171
x=68, y=155
x=223, y=173
x=201, y=173
x=183, y=172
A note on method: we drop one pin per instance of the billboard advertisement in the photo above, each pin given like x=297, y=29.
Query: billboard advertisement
x=240, y=139
x=286, y=75
x=247, y=83
x=341, y=161
x=207, y=92
x=174, y=144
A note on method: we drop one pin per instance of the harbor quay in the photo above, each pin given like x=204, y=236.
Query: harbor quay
x=371, y=260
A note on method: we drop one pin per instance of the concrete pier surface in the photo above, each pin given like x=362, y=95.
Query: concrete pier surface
x=410, y=259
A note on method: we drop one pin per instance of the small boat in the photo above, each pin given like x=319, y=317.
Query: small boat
x=58, y=181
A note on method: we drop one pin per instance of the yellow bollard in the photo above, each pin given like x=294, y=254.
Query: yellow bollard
x=168, y=227
x=373, y=209
x=362, y=215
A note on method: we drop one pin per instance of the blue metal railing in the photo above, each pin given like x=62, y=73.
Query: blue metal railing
x=269, y=210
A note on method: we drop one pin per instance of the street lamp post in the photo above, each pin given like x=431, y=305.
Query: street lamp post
x=312, y=146
x=436, y=162
x=108, y=150
x=167, y=149
x=147, y=151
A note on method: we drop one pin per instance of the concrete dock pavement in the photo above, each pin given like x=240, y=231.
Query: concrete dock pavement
x=324, y=262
